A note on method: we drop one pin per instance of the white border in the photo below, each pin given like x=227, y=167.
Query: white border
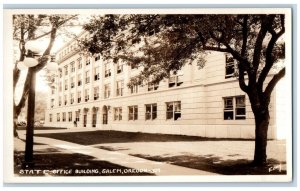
x=8, y=147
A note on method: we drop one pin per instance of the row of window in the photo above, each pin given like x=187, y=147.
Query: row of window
x=173, y=111
x=234, y=109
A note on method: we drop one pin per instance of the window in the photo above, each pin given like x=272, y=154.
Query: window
x=234, y=108
x=60, y=86
x=107, y=70
x=52, y=91
x=52, y=103
x=70, y=116
x=118, y=113
x=66, y=70
x=97, y=58
x=106, y=90
x=96, y=74
x=87, y=61
x=79, y=63
x=60, y=73
x=119, y=67
x=96, y=93
x=173, y=110
x=72, y=82
x=76, y=115
x=79, y=79
x=65, y=98
x=134, y=66
x=59, y=101
x=72, y=98
x=230, y=66
x=175, y=80
x=66, y=84
x=134, y=89
x=153, y=86
x=133, y=112
x=79, y=97
x=64, y=116
x=58, y=117
x=50, y=117
x=120, y=87
x=86, y=95
x=151, y=111
x=73, y=66
x=87, y=77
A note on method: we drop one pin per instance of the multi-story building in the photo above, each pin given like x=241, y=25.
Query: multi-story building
x=206, y=102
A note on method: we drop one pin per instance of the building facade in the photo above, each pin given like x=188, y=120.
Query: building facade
x=204, y=102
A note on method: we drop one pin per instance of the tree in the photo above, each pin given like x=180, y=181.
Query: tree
x=30, y=28
x=167, y=42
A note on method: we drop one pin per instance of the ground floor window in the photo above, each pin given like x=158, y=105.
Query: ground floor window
x=94, y=120
x=50, y=117
x=118, y=113
x=151, y=111
x=234, y=108
x=64, y=116
x=133, y=112
x=70, y=116
x=173, y=110
x=77, y=116
x=58, y=117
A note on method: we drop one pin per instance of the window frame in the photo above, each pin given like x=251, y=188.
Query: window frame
x=134, y=115
x=153, y=114
x=173, y=112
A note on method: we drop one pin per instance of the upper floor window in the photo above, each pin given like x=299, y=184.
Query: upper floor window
x=107, y=70
x=86, y=95
x=120, y=87
x=66, y=70
x=65, y=99
x=87, y=77
x=106, y=90
x=88, y=61
x=60, y=72
x=66, y=85
x=119, y=67
x=72, y=82
x=151, y=111
x=118, y=113
x=73, y=66
x=79, y=97
x=79, y=79
x=234, y=108
x=173, y=110
x=96, y=93
x=60, y=86
x=52, y=103
x=97, y=58
x=79, y=63
x=133, y=112
x=175, y=80
x=230, y=66
x=134, y=89
x=59, y=101
x=153, y=86
x=72, y=98
x=96, y=73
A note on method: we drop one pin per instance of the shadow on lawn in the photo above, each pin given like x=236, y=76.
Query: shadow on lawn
x=102, y=137
x=54, y=162
x=215, y=164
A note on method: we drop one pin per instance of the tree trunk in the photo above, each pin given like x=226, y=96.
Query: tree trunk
x=262, y=119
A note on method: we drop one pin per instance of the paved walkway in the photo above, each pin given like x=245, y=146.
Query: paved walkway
x=115, y=157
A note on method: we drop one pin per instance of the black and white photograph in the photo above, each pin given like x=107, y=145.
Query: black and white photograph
x=156, y=95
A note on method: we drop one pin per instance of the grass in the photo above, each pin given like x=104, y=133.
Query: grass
x=209, y=163
x=215, y=164
x=102, y=137
x=53, y=162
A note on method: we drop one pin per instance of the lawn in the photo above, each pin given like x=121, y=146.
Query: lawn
x=102, y=137
x=211, y=163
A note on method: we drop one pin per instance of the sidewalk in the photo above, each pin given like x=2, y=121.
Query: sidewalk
x=123, y=159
